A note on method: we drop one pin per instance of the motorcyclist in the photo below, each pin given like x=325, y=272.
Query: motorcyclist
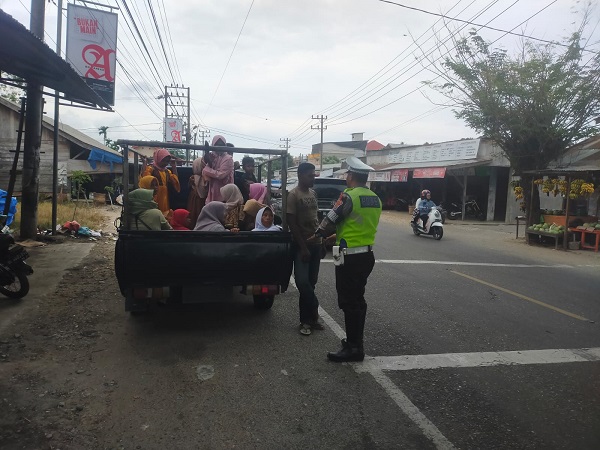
x=424, y=205
x=415, y=216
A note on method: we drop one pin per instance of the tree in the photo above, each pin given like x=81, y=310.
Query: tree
x=533, y=104
x=10, y=92
x=331, y=159
x=102, y=132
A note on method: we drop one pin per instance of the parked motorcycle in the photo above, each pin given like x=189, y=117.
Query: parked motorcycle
x=433, y=227
x=472, y=209
x=13, y=268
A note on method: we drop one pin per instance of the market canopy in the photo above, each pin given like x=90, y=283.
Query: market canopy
x=25, y=55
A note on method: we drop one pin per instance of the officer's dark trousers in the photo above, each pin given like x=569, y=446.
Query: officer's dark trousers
x=350, y=283
x=306, y=275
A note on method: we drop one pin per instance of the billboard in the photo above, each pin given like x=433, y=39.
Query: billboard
x=92, y=48
x=173, y=129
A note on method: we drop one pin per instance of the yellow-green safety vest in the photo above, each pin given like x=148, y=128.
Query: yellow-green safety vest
x=359, y=228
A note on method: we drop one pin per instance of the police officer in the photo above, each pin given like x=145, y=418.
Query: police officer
x=354, y=219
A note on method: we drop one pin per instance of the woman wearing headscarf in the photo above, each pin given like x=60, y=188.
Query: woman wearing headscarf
x=212, y=218
x=258, y=192
x=264, y=220
x=181, y=220
x=234, y=203
x=218, y=170
x=251, y=209
x=198, y=190
x=165, y=177
x=144, y=213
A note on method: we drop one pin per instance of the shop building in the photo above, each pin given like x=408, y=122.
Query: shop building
x=452, y=171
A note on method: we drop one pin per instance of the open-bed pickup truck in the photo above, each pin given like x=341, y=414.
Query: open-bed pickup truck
x=192, y=266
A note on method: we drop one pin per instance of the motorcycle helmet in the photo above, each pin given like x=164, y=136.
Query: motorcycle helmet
x=424, y=193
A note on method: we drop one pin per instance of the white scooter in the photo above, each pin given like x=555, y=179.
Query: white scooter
x=434, y=226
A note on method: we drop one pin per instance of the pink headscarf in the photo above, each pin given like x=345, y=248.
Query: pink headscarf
x=158, y=156
x=217, y=138
x=258, y=192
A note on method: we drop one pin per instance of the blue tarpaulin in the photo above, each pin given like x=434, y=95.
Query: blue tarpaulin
x=101, y=156
x=13, y=207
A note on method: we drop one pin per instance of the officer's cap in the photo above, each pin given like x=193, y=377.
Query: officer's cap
x=357, y=166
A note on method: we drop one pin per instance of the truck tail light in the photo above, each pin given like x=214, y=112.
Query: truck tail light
x=264, y=289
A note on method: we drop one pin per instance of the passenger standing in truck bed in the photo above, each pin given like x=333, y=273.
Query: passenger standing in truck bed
x=218, y=171
x=158, y=169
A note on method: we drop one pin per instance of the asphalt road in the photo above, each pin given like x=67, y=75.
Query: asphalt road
x=476, y=292
x=475, y=341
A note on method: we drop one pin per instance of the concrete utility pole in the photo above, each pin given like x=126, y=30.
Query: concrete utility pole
x=286, y=145
x=180, y=108
x=33, y=136
x=56, y=125
x=321, y=127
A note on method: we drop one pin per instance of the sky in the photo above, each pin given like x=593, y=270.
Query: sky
x=358, y=62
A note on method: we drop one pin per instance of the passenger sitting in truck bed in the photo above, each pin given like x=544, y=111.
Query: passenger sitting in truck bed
x=264, y=220
x=181, y=220
x=251, y=209
x=212, y=218
x=258, y=192
x=234, y=203
x=144, y=212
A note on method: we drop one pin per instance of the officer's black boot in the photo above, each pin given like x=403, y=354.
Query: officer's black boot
x=352, y=348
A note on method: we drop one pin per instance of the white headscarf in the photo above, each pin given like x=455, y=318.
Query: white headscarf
x=258, y=226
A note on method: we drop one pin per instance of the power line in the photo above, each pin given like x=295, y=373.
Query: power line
x=478, y=25
x=227, y=65
x=405, y=69
x=160, y=39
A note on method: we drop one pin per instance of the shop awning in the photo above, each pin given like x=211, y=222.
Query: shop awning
x=25, y=55
x=453, y=164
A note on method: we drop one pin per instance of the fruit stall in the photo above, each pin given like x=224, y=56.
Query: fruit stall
x=560, y=225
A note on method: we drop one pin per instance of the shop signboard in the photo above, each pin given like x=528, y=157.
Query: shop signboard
x=399, y=176
x=430, y=172
x=174, y=129
x=444, y=151
x=92, y=48
x=380, y=176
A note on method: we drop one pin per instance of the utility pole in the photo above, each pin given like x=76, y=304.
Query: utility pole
x=33, y=136
x=203, y=133
x=56, y=125
x=286, y=145
x=177, y=98
x=321, y=127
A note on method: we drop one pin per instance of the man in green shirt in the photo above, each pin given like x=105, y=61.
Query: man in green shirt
x=354, y=219
x=302, y=218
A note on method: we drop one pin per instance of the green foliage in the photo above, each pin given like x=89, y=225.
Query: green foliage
x=331, y=159
x=78, y=179
x=12, y=93
x=534, y=104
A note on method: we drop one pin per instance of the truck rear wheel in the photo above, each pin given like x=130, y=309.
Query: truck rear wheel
x=263, y=302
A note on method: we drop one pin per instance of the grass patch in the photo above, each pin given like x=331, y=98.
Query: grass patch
x=88, y=216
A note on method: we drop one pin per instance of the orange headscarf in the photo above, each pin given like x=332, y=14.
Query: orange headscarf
x=146, y=182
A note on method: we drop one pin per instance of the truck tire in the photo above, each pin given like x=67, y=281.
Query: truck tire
x=263, y=302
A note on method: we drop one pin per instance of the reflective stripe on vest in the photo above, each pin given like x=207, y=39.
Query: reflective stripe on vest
x=359, y=228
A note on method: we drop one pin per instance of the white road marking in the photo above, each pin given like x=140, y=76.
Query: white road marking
x=403, y=402
x=483, y=359
x=466, y=263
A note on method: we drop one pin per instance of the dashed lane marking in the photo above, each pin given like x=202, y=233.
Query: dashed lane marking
x=523, y=297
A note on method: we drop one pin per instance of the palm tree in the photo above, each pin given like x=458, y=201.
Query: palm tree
x=102, y=132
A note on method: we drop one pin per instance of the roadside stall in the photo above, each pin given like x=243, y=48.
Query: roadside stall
x=575, y=186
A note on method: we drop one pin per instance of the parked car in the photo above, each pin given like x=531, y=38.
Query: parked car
x=328, y=191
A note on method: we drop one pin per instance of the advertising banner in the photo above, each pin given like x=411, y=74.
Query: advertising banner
x=92, y=48
x=430, y=172
x=399, y=175
x=379, y=176
x=174, y=129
